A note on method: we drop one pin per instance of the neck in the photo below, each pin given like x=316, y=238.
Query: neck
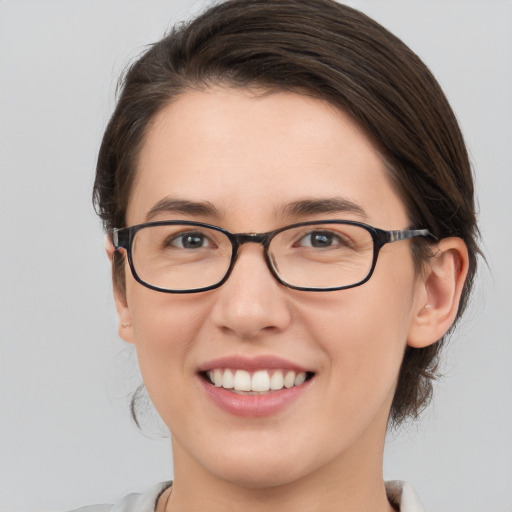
x=352, y=482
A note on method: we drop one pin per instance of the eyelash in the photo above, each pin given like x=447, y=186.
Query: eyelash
x=169, y=242
x=334, y=237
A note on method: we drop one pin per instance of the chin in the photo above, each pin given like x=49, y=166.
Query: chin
x=250, y=476
x=262, y=467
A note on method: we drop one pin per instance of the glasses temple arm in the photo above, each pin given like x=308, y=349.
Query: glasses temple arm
x=405, y=234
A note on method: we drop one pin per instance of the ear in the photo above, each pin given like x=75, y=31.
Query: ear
x=124, y=328
x=439, y=293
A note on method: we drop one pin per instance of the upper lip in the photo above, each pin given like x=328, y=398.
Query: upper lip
x=251, y=364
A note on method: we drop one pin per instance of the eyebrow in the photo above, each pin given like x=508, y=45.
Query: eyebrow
x=328, y=205
x=301, y=208
x=170, y=205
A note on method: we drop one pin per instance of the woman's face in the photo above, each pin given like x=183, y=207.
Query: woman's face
x=250, y=158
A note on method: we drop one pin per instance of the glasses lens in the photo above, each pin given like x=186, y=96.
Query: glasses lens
x=180, y=257
x=322, y=255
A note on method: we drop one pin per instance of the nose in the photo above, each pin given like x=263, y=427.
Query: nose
x=251, y=302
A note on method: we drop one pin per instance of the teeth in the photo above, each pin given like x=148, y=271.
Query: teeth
x=259, y=381
x=276, y=381
x=242, y=381
x=300, y=378
x=289, y=380
x=228, y=381
x=218, y=378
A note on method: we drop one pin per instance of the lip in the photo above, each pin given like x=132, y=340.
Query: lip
x=255, y=406
x=251, y=364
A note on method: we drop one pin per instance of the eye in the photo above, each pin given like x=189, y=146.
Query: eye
x=320, y=239
x=189, y=240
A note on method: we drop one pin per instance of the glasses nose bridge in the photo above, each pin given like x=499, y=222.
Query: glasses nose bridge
x=239, y=239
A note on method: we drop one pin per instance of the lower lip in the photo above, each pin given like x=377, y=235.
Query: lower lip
x=255, y=406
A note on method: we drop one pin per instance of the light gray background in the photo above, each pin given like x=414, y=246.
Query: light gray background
x=66, y=439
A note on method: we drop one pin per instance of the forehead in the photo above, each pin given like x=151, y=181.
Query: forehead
x=251, y=154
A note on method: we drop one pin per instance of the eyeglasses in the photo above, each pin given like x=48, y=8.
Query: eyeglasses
x=190, y=257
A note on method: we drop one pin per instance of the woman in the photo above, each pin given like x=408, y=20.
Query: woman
x=290, y=219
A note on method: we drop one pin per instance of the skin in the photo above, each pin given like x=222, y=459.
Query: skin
x=249, y=155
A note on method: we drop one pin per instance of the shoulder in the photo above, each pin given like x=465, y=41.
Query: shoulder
x=136, y=502
x=402, y=495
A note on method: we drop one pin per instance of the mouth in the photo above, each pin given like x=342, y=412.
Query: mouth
x=261, y=381
x=254, y=387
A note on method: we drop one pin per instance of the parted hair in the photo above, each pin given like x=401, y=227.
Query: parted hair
x=329, y=51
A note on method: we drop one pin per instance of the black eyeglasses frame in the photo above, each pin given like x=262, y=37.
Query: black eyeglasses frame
x=122, y=238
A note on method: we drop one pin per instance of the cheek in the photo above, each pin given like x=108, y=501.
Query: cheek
x=159, y=319
x=364, y=331
x=164, y=329
x=388, y=304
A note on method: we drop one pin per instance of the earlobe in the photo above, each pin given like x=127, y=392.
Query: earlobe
x=124, y=328
x=441, y=289
x=109, y=248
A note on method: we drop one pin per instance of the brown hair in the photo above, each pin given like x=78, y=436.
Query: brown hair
x=329, y=51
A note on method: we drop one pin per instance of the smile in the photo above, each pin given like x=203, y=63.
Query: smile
x=254, y=387
x=260, y=381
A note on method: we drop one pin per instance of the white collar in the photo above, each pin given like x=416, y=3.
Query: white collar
x=404, y=496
